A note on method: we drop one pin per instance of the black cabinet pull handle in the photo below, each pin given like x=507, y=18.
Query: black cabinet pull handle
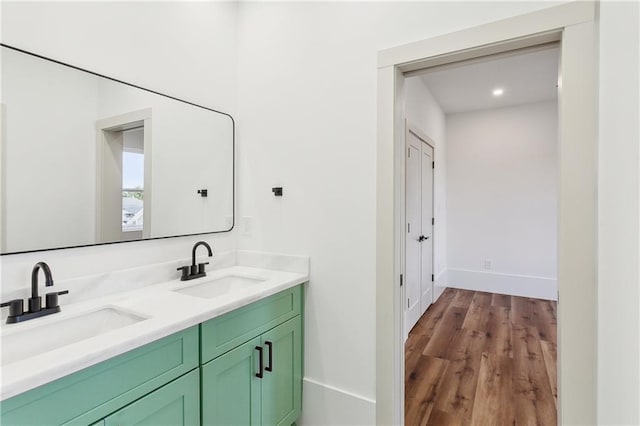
x=270, y=366
x=260, y=374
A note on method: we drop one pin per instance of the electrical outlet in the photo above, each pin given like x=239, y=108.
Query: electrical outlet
x=487, y=265
x=246, y=225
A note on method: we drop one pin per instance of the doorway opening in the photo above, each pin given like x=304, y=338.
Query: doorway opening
x=572, y=25
x=497, y=122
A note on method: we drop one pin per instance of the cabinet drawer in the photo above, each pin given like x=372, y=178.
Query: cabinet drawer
x=224, y=333
x=174, y=404
x=91, y=394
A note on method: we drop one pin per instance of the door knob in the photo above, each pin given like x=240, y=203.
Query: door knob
x=422, y=238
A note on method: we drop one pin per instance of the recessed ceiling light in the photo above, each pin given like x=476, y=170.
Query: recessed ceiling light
x=498, y=92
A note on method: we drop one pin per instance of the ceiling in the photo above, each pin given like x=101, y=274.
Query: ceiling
x=526, y=77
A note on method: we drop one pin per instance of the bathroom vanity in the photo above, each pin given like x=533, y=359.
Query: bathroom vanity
x=221, y=349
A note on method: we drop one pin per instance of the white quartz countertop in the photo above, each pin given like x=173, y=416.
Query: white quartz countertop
x=164, y=312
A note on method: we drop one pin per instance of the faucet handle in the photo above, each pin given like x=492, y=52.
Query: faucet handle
x=201, y=267
x=52, y=298
x=16, y=307
x=185, y=272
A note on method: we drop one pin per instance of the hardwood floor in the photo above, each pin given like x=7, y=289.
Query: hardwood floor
x=478, y=358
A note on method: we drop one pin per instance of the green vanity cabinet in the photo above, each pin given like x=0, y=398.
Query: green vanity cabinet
x=234, y=394
x=205, y=374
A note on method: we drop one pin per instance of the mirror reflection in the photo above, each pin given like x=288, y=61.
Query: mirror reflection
x=85, y=160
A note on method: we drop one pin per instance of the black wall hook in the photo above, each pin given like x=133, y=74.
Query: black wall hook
x=277, y=191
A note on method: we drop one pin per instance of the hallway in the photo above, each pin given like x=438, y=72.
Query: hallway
x=478, y=358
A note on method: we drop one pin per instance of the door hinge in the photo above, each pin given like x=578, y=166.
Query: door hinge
x=433, y=164
x=401, y=280
x=408, y=228
x=409, y=152
x=432, y=277
x=433, y=221
x=407, y=303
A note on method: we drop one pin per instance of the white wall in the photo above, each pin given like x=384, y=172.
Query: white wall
x=184, y=49
x=423, y=111
x=188, y=50
x=307, y=98
x=618, y=215
x=502, y=199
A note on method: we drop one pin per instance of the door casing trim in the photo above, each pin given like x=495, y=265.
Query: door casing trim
x=573, y=24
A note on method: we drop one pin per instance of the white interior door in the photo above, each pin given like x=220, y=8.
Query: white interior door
x=413, y=255
x=426, y=259
x=419, y=235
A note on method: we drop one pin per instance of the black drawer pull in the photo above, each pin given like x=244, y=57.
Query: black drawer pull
x=269, y=367
x=260, y=374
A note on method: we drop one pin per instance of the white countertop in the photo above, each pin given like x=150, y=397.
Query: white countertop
x=166, y=312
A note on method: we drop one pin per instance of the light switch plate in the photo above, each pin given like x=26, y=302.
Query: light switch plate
x=246, y=224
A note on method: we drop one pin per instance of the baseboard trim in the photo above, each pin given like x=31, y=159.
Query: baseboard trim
x=511, y=284
x=440, y=285
x=323, y=404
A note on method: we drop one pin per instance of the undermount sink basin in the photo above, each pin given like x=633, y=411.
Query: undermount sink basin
x=219, y=287
x=53, y=335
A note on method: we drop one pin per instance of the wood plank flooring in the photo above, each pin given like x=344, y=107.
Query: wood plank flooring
x=478, y=358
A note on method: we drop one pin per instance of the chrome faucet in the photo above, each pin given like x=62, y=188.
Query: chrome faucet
x=36, y=310
x=195, y=270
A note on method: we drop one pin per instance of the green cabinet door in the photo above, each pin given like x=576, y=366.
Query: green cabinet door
x=175, y=404
x=230, y=388
x=282, y=386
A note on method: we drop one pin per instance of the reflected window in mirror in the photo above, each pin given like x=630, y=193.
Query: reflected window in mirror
x=133, y=180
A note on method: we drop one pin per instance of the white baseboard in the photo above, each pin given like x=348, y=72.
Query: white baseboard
x=440, y=285
x=495, y=282
x=325, y=405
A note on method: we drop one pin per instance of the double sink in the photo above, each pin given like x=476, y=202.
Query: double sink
x=50, y=333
